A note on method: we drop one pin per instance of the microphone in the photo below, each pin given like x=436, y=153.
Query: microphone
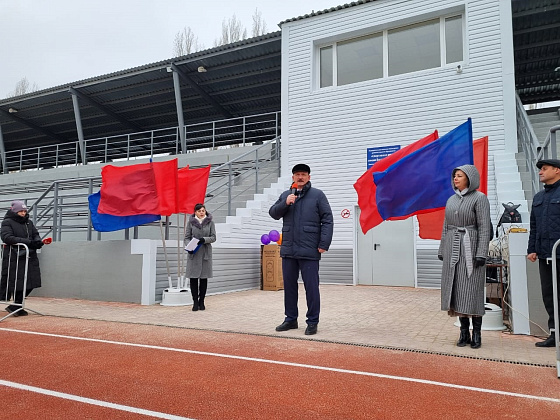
x=294, y=189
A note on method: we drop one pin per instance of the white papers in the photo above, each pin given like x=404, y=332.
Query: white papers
x=191, y=246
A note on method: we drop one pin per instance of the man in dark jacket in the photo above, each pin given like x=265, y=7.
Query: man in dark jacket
x=306, y=233
x=17, y=228
x=545, y=231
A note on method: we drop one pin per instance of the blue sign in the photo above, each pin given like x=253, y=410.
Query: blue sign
x=377, y=153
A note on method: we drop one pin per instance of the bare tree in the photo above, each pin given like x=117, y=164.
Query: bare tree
x=259, y=25
x=232, y=31
x=185, y=42
x=22, y=87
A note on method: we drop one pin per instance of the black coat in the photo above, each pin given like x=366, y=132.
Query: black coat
x=545, y=221
x=308, y=223
x=17, y=229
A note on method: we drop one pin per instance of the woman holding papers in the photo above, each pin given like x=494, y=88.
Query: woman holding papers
x=199, y=234
x=463, y=249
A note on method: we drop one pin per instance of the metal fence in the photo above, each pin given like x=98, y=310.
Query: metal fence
x=62, y=206
x=253, y=129
x=14, y=278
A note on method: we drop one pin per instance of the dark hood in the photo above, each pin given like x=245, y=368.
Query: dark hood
x=16, y=217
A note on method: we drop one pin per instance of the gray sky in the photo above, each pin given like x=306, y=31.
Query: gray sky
x=54, y=42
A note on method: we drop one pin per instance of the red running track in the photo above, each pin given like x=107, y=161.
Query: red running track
x=55, y=368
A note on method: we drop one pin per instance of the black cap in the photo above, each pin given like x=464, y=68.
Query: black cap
x=551, y=162
x=301, y=167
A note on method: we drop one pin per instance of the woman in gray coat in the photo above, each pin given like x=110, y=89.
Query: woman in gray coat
x=467, y=231
x=199, y=262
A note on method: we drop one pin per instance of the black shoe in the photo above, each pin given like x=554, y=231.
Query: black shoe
x=23, y=312
x=201, y=304
x=549, y=342
x=195, y=305
x=13, y=309
x=287, y=325
x=311, y=329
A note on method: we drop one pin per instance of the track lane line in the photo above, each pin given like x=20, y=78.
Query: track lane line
x=299, y=365
x=99, y=403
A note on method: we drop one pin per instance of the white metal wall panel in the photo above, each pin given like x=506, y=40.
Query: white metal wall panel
x=331, y=128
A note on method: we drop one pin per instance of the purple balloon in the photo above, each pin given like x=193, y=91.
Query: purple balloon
x=274, y=235
x=265, y=239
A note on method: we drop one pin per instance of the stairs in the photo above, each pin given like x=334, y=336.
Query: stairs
x=250, y=222
x=542, y=120
x=509, y=183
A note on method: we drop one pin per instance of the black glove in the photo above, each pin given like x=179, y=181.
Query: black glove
x=201, y=241
x=440, y=257
x=37, y=244
x=479, y=261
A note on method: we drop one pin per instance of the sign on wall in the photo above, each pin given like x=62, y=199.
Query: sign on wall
x=377, y=153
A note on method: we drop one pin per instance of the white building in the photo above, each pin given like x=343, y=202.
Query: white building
x=382, y=73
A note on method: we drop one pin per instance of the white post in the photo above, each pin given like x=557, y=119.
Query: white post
x=555, y=301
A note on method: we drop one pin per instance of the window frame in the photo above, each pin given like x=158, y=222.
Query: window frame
x=442, y=47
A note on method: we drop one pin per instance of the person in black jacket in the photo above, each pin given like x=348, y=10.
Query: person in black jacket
x=545, y=231
x=17, y=228
x=306, y=233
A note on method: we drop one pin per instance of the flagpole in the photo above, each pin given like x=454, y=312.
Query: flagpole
x=184, y=264
x=165, y=254
x=179, y=278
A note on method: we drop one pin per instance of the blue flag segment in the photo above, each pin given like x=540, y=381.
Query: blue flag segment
x=108, y=223
x=422, y=180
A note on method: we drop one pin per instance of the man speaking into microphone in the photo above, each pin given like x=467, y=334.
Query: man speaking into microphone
x=306, y=233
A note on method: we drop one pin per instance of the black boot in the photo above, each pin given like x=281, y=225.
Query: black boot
x=476, y=336
x=549, y=342
x=465, y=335
x=194, y=293
x=203, y=287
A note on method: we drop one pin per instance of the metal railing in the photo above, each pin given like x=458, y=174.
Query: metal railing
x=63, y=206
x=531, y=146
x=231, y=132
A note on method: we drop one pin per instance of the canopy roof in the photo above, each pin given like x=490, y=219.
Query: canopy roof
x=239, y=79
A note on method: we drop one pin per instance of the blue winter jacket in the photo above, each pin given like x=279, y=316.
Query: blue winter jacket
x=308, y=223
x=545, y=221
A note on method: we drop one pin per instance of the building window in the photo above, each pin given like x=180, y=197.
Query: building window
x=326, y=66
x=414, y=48
x=453, y=39
x=424, y=45
x=359, y=59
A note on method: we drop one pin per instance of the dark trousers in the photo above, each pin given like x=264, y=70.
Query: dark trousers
x=309, y=269
x=545, y=271
x=18, y=298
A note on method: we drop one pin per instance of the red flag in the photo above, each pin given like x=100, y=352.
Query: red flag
x=166, y=176
x=192, y=184
x=146, y=188
x=366, y=189
x=431, y=224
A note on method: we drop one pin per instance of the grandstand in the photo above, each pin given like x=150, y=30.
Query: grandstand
x=55, y=141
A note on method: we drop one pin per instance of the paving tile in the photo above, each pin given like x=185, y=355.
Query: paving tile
x=397, y=317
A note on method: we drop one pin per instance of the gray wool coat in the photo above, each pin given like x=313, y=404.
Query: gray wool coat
x=199, y=264
x=466, y=234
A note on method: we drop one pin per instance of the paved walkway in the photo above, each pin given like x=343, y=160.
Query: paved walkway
x=401, y=318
